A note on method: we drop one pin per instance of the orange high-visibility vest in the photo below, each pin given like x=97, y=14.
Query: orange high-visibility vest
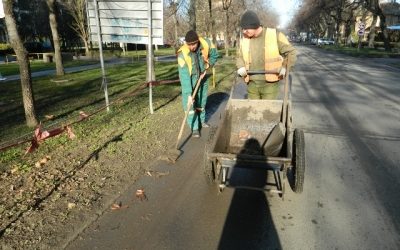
x=204, y=51
x=273, y=60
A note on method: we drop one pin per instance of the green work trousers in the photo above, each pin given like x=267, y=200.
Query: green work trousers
x=263, y=90
x=197, y=113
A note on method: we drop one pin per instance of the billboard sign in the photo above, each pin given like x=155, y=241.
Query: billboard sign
x=126, y=21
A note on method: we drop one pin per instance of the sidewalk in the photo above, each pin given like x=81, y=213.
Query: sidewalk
x=69, y=69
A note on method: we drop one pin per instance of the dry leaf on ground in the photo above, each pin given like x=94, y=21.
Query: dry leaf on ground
x=140, y=194
x=42, y=161
x=116, y=206
x=49, y=117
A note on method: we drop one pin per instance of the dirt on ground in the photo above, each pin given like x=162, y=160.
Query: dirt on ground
x=70, y=186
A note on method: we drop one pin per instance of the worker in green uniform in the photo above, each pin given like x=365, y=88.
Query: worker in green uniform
x=194, y=58
x=263, y=49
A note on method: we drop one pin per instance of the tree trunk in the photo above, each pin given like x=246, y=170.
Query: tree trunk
x=372, y=34
x=176, y=42
x=77, y=9
x=375, y=8
x=23, y=61
x=213, y=31
x=386, y=39
x=192, y=15
x=227, y=35
x=226, y=4
x=56, y=40
x=86, y=47
x=176, y=23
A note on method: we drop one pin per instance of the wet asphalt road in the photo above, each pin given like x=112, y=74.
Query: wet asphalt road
x=349, y=111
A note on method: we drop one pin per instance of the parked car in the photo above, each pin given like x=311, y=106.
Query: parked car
x=330, y=41
x=314, y=41
x=325, y=41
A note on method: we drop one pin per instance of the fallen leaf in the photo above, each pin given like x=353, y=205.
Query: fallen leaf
x=42, y=161
x=82, y=115
x=161, y=174
x=71, y=205
x=116, y=206
x=49, y=117
x=140, y=194
x=156, y=173
x=71, y=134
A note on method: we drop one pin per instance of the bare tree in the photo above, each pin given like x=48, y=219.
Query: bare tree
x=212, y=21
x=372, y=32
x=23, y=62
x=375, y=7
x=226, y=4
x=192, y=14
x=316, y=17
x=172, y=22
x=77, y=9
x=52, y=5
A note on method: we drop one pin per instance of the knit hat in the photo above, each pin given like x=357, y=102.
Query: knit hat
x=249, y=20
x=191, y=37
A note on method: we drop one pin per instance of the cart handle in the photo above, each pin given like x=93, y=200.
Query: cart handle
x=262, y=72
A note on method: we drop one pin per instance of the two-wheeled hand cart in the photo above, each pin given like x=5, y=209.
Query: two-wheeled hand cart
x=257, y=134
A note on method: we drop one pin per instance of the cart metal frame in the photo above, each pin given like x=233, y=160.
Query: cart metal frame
x=224, y=147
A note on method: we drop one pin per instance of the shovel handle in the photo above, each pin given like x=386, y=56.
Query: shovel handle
x=189, y=106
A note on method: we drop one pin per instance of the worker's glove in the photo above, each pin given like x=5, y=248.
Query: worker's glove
x=242, y=72
x=282, y=72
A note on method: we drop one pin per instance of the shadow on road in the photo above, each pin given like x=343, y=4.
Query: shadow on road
x=213, y=103
x=249, y=222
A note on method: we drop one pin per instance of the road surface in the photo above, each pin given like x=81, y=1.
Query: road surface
x=350, y=113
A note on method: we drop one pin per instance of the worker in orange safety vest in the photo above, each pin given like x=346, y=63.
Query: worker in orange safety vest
x=263, y=49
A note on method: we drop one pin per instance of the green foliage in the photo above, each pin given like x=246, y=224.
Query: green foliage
x=5, y=46
x=9, y=155
x=24, y=167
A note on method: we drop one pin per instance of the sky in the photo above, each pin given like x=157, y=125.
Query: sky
x=1, y=9
x=286, y=9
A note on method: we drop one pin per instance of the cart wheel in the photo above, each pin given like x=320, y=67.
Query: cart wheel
x=298, y=160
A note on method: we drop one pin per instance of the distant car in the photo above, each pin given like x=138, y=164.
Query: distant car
x=329, y=41
x=314, y=41
x=325, y=41
x=321, y=41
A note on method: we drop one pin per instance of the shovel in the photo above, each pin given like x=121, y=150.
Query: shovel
x=273, y=144
x=173, y=154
